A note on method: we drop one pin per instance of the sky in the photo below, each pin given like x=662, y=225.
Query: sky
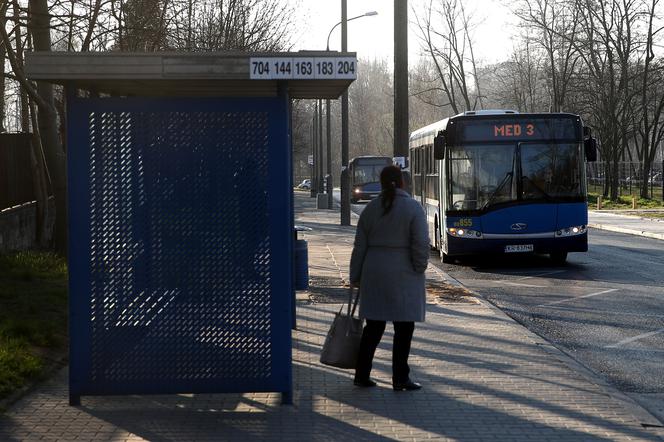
x=373, y=37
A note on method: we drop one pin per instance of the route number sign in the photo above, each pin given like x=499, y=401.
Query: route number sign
x=302, y=68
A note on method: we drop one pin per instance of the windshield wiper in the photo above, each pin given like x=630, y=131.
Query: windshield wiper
x=509, y=176
x=542, y=191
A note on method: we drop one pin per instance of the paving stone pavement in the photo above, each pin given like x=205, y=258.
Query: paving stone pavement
x=485, y=378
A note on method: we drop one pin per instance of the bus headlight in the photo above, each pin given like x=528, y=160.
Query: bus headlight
x=571, y=231
x=357, y=190
x=464, y=233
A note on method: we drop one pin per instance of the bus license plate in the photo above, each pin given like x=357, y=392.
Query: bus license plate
x=519, y=248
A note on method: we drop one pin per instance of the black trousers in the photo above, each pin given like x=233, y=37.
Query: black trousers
x=371, y=336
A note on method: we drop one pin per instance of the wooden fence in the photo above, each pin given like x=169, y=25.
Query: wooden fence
x=15, y=170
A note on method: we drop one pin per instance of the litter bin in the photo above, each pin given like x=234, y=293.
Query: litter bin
x=301, y=265
x=301, y=260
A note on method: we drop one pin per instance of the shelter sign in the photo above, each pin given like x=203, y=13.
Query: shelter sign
x=302, y=68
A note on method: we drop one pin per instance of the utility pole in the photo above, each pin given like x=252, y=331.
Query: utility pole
x=314, y=154
x=345, y=178
x=321, y=170
x=330, y=186
x=400, y=78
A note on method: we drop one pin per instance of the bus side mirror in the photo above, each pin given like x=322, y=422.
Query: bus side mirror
x=439, y=146
x=590, y=146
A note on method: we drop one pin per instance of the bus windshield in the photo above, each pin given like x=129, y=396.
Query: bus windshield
x=367, y=171
x=482, y=176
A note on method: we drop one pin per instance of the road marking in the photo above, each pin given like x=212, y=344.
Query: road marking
x=609, y=312
x=524, y=285
x=560, y=301
x=635, y=338
x=537, y=275
x=542, y=274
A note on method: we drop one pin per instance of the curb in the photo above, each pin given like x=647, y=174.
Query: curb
x=659, y=236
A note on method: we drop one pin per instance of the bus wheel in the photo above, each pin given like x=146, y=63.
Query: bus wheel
x=354, y=200
x=558, y=258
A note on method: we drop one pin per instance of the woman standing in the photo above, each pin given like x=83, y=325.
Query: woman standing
x=389, y=258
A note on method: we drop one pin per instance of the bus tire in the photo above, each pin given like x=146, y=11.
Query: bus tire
x=558, y=258
x=354, y=200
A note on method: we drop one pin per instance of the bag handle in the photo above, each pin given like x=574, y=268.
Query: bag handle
x=350, y=301
x=350, y=312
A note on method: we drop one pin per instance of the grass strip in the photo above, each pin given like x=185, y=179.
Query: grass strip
x=624, y=202
x=33, y=317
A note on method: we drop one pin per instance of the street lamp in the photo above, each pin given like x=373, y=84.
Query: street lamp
x=366, y=14
x=345, y=183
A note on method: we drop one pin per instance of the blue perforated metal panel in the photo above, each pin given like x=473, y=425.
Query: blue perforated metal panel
x=181, y=246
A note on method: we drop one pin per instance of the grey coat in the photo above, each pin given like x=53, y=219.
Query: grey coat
x=389, y=258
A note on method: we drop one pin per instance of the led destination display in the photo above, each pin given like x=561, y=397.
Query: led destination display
x=531, y=129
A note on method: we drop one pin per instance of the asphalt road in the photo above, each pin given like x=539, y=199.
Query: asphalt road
x=604, y=308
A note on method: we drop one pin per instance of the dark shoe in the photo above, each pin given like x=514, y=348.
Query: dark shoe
x=364, y=383
x=408, y=385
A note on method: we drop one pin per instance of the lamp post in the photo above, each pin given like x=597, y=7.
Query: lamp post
x=345, y=181
x=314, y=153
x=366, y=14
x=400, y=148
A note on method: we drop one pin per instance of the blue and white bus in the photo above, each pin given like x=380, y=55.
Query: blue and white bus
x=365, y=176
x=502, y=182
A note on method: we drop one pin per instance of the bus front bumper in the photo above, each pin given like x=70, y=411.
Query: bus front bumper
x=464, y=246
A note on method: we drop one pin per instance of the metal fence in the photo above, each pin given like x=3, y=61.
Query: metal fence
x=630, y=178
x=15, y=171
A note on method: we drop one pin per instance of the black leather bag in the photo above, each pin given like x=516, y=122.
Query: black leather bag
x=342, y=343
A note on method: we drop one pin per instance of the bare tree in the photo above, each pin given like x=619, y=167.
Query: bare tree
x=370, y=98
x=3, y=23
x=445, y=32
x=46, y=121
x=426, y=95
x=609, y=49
x=649, y=107
x=597, y=66
x=244, y=25
x=554, y=26
x=519, y=83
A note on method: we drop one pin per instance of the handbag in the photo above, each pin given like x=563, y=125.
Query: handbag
x=342, y=343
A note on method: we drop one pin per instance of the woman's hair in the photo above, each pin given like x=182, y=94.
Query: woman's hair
x=391, y=179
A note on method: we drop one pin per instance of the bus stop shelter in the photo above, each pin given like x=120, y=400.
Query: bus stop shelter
x=181, y=215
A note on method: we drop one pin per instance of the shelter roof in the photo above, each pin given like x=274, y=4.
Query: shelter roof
x=194, y=73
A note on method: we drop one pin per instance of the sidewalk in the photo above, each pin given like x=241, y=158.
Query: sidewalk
x=485, y=378
x=633, y=225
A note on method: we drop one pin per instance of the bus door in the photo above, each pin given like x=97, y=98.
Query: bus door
x=423, y=175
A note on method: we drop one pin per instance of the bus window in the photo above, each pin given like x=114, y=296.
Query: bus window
x=481, y=175
x=551, y=171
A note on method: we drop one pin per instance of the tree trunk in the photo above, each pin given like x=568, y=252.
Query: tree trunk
x=644, y=192
x=39, y=23
x=39, y=180
x=25, y=110
x=3, y=50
